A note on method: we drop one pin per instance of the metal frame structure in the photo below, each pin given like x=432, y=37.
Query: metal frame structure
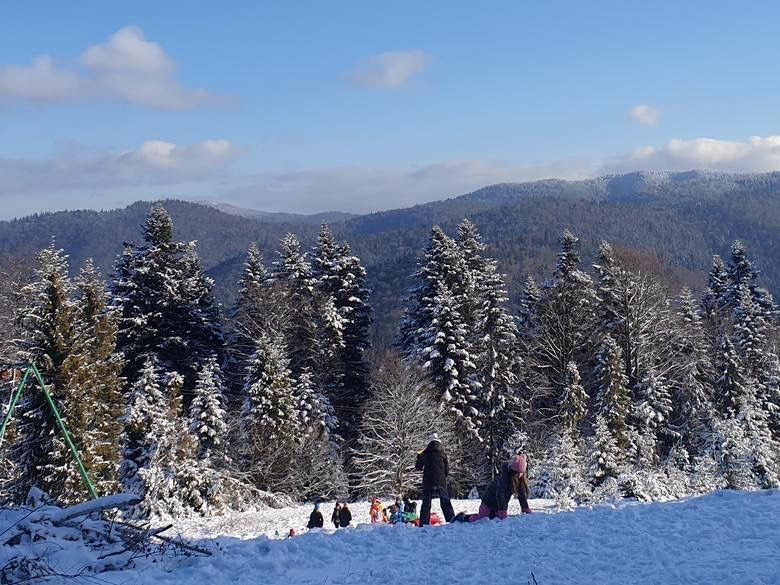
x=32, y=368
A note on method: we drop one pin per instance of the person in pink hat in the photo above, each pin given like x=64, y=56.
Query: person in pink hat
x=511, y=480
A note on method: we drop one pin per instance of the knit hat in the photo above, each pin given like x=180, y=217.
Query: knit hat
x=434, y=437
x=518, y=464
x=317, y=506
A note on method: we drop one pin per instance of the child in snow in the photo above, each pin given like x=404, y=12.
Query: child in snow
x=335, y=516
x=512, y=479
x=345, y=516
x=377, y=512
x=316, y=520
x=409, y=506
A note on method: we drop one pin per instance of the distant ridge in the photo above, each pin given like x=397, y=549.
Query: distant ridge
x=280, y=217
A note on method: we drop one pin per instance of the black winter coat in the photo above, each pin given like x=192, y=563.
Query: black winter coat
x=434, y=465
x=497, y=495
x=316, y=520
x=345, y=517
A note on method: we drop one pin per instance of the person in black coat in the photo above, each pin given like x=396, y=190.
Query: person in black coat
x=315, y=519
x=345, y=516
x=432, y=461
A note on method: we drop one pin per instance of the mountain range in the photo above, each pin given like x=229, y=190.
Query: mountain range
x=671, y=223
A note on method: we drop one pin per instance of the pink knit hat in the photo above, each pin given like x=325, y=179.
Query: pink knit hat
x=518, y=463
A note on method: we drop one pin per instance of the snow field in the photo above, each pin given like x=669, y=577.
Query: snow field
x=720, y=538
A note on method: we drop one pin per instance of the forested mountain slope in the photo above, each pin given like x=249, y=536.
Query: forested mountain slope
x=678, y=220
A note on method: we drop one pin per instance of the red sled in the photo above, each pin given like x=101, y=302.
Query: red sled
x=434, y=520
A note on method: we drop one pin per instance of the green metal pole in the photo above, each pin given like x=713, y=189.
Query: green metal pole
x=14, y=400
x=65, y=433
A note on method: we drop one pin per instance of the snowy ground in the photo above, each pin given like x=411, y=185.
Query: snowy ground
x=277, y=523
x=721, y=538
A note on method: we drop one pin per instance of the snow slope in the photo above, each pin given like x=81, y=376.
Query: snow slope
x=720, y=538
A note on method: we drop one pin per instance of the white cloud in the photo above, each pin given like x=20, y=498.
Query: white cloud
x=128, y=50
x=126, y=68
x=756, y=154
x=40, y=81
x=153, y=163
x=391, y=70
x=645, y=115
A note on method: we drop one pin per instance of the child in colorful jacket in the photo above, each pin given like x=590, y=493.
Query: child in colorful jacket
x=377, y=512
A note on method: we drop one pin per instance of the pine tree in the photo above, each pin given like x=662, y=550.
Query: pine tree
x=207, y=413
x=448, y=361
x=442, y=265
x=96, y=382
x=497, y=364
x=315, y=412
x=606, y=455
x=341, y=278
x=565, y=322
x=270, y=406
x=574, y=402
x=653, y=413
x=314, y=327
x=716, y=292
x=613, y=397
x=165, y=304
x=692, y=376
x=47, y=321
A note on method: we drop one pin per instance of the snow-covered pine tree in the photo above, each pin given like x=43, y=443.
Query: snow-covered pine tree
x=47, y=321
x=529, y=299
x=147, y=430
x=560, y=475
x=442, y=265
x=477, y=266
x=314, y=327
x=691, y=377
x=95, y=424
x=269, y=417
x=715, y=294
x=160, y=463
x=396, y=423
x=738, y=395
x=497, y=364
x=207, y=412
x=447, y=359
x=341, y=277
x=165, y=304
x=652, y=414
x=315, y=412
x=613, y=398
x=606, y=457
x=565, y=322
x=574, y=402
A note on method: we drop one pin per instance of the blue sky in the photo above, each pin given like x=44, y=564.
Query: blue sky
x=362, y=106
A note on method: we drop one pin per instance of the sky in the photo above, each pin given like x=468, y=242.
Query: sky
x=364, y=106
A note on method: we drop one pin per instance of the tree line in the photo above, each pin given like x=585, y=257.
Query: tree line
x=610, y=384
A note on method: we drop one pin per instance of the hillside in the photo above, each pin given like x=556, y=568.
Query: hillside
x=674, y=222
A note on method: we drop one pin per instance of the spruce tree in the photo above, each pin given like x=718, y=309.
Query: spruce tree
x=497, y=364
x=341, y=281
x=96, y=383
x=613, y=397
x=165, y=304
x=207, y=412
x=47, y=321
x=447, y=359
x=574, y=402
